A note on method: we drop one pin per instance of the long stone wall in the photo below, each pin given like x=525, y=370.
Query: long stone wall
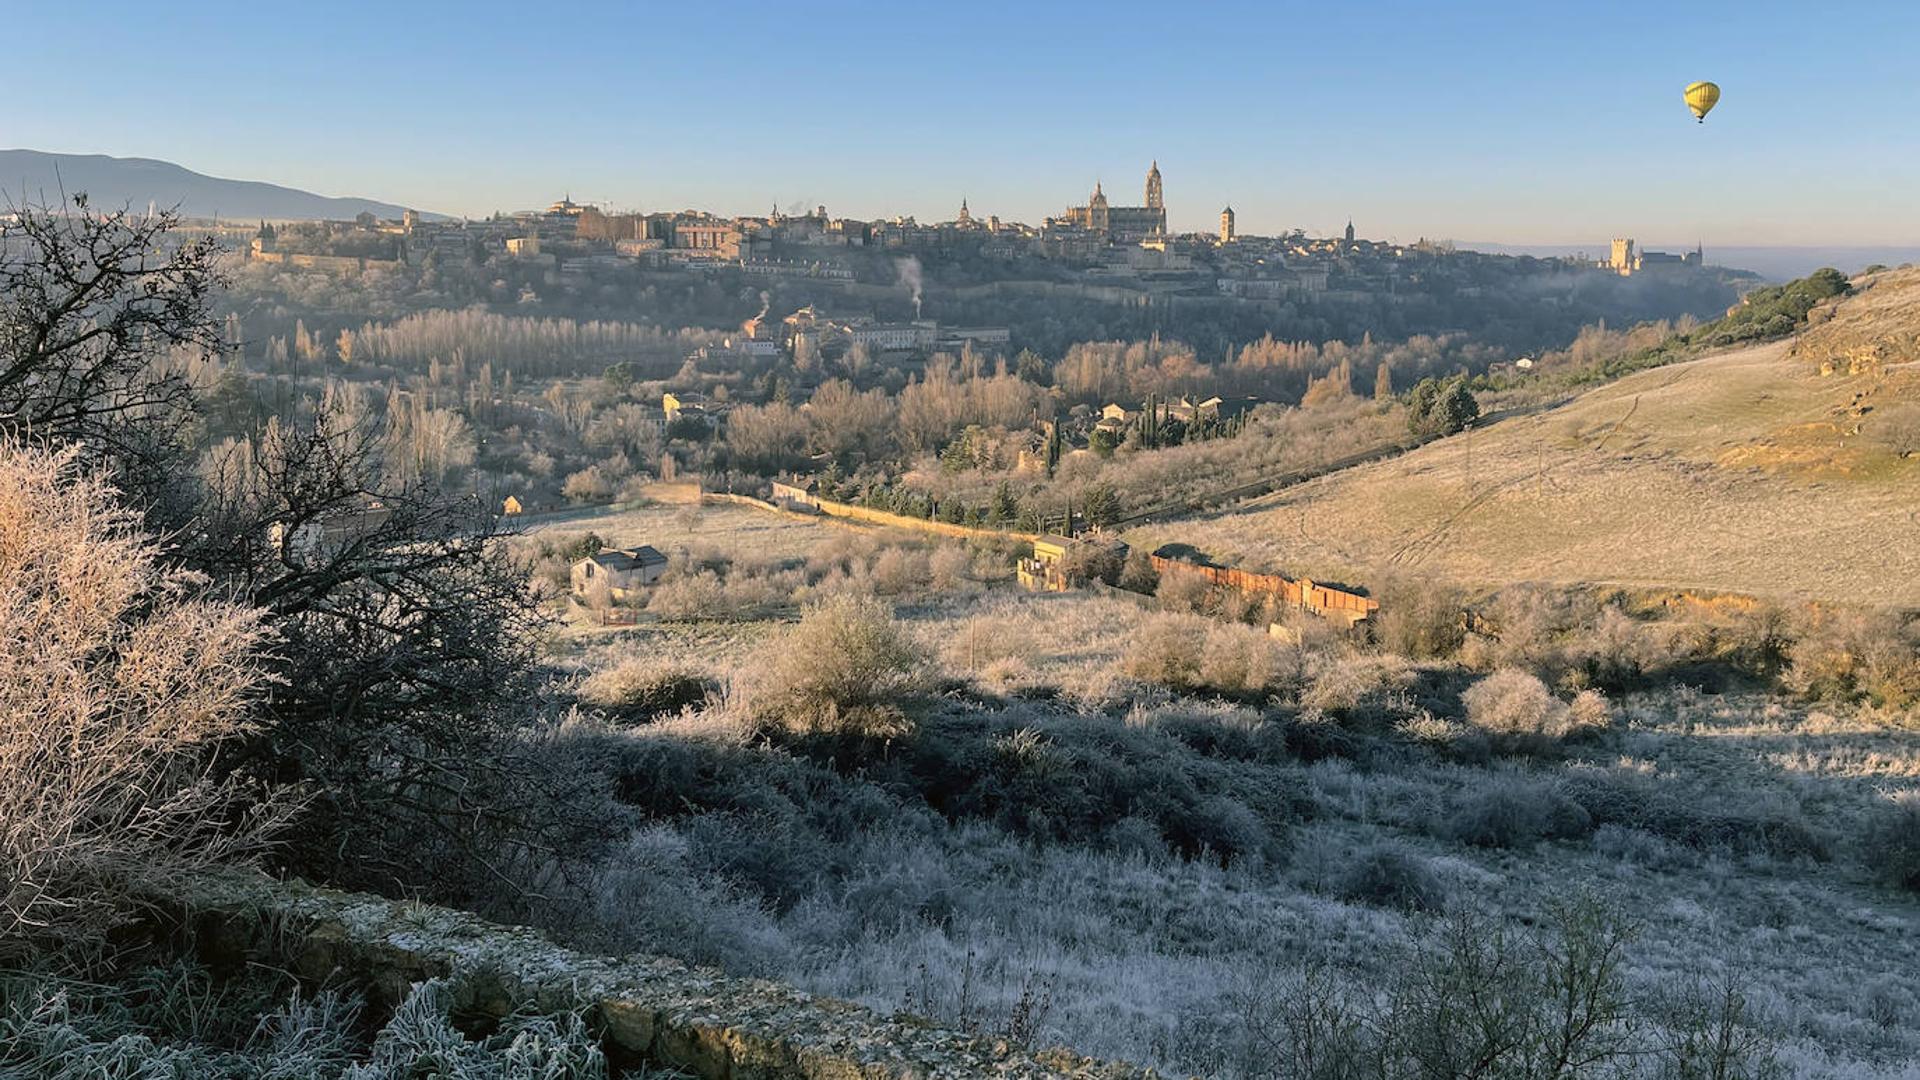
x=1304, y=593
x=650, y=1010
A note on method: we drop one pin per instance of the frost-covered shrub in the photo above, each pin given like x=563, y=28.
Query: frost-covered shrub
x=1185, y=593
x=174, y=1022
x=1589, y=711
x=1513, y=811
x=842, y=670
x=1516, y=706
x=1390, y=876
x=1760, y=822
x=948, y=568
x=116, y=687
x=1167, y=651
x=1189, y=653
x=652, y=896
x=1345, y=681
x=421, y=1040
x=640, y=688
x=1238, y=660
x=1893, y=840
x=900, y=570
x=1514, y=703
x=1611, y=651
x=1421, y=620
x=696, y=594
x=1853, y=657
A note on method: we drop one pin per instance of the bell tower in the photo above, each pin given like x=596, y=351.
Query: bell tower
x=1156, y=198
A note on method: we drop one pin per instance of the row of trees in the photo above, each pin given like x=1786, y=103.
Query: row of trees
x=1097, y=372
x=525, y=346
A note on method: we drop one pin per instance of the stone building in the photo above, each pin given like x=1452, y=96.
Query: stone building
x=622, y=572
x=1124, y=224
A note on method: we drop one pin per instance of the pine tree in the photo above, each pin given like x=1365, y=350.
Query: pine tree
x=1004, y=507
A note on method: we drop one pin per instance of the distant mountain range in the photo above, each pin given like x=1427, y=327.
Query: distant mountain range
x=33, y=176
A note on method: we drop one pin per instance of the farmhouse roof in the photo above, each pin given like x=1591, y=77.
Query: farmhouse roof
x=629, y=558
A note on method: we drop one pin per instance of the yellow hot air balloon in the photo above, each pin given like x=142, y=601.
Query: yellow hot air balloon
x=1701, y=98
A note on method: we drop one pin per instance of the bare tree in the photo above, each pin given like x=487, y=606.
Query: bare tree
x=408, y=668
x=92, y=307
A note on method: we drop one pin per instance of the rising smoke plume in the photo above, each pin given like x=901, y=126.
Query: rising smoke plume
x=909, y=271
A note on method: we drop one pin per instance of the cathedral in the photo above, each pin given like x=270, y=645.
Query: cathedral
x=1125, y=224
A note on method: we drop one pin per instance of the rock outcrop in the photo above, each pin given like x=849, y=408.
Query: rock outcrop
x=650, y=1009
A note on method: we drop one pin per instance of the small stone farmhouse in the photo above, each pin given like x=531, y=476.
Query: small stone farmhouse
x=622, y=572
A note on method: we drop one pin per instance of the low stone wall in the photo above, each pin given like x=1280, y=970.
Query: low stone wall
x=650, y=1010
x=743, y=500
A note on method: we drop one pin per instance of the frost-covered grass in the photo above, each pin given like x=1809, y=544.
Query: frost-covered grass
x=1009, y=868
x=173, y=1020
x=1143, y=955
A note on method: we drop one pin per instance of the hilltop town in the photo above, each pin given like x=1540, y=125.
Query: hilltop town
x=902, y=280
x=588, y=350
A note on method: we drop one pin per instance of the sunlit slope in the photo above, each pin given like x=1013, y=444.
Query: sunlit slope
x=1772, y=470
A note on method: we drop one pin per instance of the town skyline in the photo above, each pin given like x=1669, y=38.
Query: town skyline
x=1489, y=123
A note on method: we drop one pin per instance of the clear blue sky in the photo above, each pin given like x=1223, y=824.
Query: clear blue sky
x=1540, y=122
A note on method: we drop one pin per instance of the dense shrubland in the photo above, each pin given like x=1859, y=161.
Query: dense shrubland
x=919, y=851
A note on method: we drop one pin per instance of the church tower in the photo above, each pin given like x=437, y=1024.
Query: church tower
x=1226, y=225
x=1156, y=200
x=1097, y=218
x=1349, y=230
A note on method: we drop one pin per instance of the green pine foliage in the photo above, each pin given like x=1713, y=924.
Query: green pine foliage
x=1767, y=314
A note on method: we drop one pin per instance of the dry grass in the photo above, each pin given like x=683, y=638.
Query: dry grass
x=1743, y=473
x=740, y=532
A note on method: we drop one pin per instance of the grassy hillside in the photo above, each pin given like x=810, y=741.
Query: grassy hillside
x=1783, y=470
